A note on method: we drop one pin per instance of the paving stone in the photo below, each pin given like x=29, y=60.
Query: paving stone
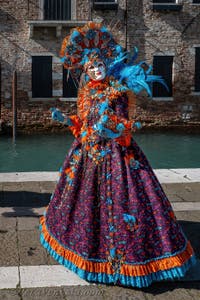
x=27, y=223
x=43, y=294
x=29, y=238
x=83, y=292
x=10, y=294
x=8, y=249
x=32, y=256
x=16, y=211
x=164, y=294
x=7, y=224
x=121, y=293
x=9, y=277
x=173, y=197
x=183, y=191
x=190, y=216
x=31, y=186
x=186, y=206
x=31, y=251
x=195, y=292
x=47, y=186
x=48, y=276
x=12, y=186
x=51, y=260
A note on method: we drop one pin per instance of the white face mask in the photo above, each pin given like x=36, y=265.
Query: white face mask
x=97, y=71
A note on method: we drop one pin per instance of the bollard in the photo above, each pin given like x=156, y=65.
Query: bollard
x=14, y=104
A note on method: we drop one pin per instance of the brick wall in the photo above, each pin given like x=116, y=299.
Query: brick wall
x=153, y=32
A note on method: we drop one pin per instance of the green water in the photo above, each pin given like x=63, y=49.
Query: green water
x=47, y=152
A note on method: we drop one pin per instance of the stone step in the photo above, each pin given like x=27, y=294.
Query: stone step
x=164, y=176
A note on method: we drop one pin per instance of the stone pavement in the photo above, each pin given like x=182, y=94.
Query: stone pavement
x=27, y=272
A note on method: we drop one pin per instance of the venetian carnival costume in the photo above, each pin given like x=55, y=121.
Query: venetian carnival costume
x=109, y=220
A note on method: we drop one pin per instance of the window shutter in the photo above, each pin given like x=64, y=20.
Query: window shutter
x=57, y=9
x=105, y=1
x=41, y=76
x=162, y=65
x=69, y=85
x=164, y=1
x=197, y=70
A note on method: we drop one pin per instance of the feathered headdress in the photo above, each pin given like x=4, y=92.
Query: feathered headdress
x=84, y=43
x=94, y=41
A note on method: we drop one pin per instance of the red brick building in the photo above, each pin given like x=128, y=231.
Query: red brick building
x=167, y=34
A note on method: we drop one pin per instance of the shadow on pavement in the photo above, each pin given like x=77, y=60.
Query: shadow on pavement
x=192, y=232
x=24, y=199
x=163, y=287
x=24, y=203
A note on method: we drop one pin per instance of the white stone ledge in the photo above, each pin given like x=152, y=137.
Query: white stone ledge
x=57, y=93
x=53, y=23
x=28, y=176
x=47, y=276
x=195, y=93
x=163, y=98
x=57, y=76
x=68, y=99
x=9, y=277
x=50, y=99
x=57, y=275
x=43, y=99
x=164, y=176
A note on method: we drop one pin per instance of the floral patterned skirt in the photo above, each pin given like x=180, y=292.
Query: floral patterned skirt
x=109, y=220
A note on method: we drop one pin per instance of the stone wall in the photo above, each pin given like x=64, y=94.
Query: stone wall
x=153, y=32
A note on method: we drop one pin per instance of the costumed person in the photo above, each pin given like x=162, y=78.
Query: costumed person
x=109, y=219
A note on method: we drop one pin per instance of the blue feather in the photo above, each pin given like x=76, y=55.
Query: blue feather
x=134, y=76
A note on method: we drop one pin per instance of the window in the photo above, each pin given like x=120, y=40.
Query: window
x=41, y=76
x=105, y=4
x=57, y=9
x=69, y=85
x=166, y=5
x=196, y=1
x=162, y=65
x=164, y=1
x=197, y=70
x=105, y=1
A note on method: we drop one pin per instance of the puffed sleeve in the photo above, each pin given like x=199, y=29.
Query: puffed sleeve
x=75, y=125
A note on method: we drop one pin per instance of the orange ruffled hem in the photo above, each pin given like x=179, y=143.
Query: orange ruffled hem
x=105, y=267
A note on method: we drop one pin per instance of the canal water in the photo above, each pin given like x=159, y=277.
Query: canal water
x=47, y=152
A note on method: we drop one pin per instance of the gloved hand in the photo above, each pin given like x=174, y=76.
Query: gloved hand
x=137, y=125
x=58, y=116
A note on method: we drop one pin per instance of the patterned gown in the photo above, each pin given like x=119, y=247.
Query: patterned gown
x=109, y=220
